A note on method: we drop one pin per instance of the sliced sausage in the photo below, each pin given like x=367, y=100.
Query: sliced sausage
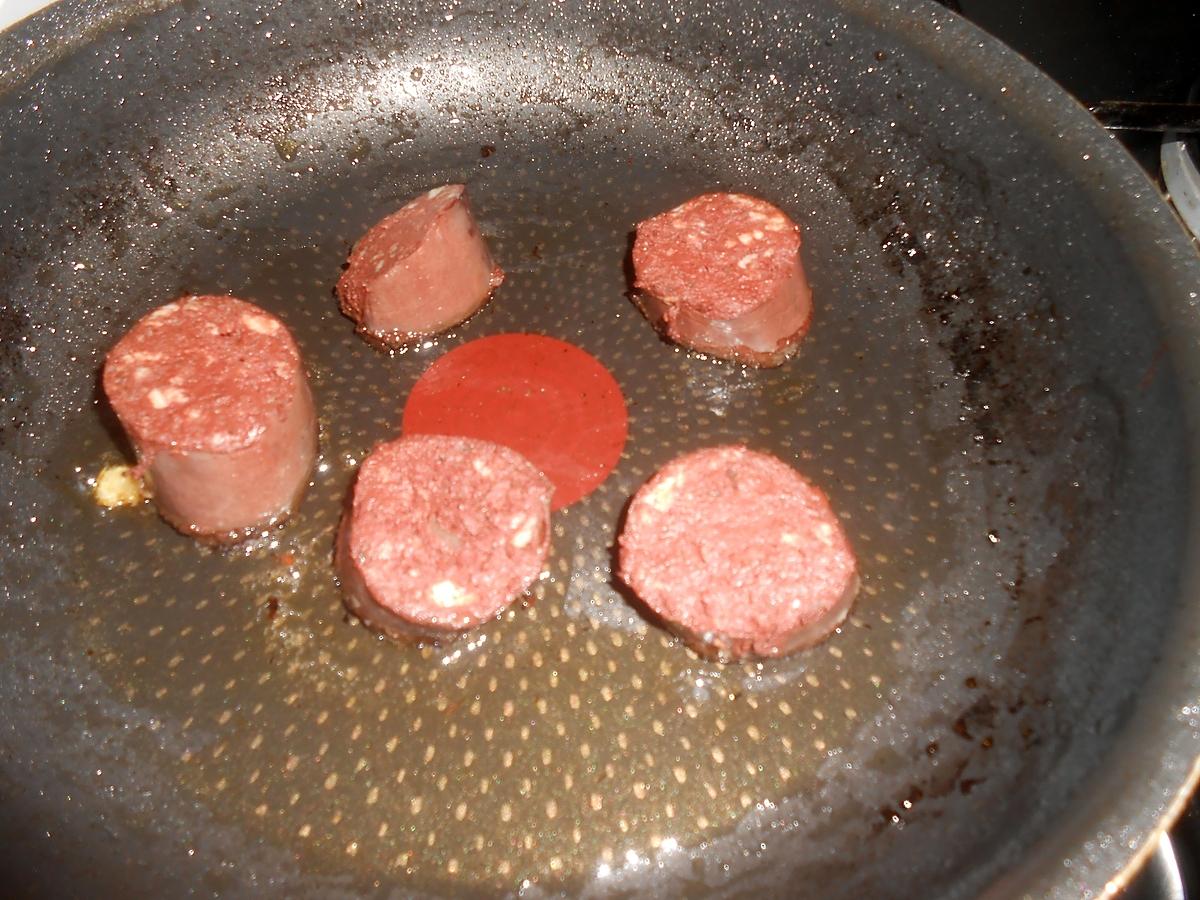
x=419, y=271
x=440, y=534
x=722, y=274
x=213, y=396
x=738, y=553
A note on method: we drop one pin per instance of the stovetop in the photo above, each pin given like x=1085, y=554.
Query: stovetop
x=1103, y=50
x=1116, y=50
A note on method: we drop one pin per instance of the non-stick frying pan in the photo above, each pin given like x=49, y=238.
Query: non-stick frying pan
x=999, y=392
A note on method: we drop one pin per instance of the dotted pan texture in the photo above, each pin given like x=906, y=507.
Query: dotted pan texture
x=1007, y=471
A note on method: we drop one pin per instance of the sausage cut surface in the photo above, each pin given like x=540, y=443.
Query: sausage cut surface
x=441, y=533
x=738, y=553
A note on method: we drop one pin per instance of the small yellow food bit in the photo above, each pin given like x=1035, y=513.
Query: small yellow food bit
x=118, y=486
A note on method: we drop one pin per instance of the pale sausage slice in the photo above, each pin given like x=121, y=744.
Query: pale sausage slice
x=419, y=271
x=441, y=534
x=738, y=553
x=722, y=274
x=213, y=396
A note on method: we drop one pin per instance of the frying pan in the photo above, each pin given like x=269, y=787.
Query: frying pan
x=999, y=393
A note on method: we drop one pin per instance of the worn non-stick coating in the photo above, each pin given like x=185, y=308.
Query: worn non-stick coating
x=988, y=394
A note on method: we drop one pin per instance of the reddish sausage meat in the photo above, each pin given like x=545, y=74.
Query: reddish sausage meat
x=441, y=534
x=722, y=274
x=738, y=553
x=213, y=396
x=419, y=271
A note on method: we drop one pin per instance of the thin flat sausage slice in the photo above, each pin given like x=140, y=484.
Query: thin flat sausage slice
x=441, y=534
x=738, y=553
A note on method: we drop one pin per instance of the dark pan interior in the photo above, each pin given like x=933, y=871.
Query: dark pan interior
x=985, y=394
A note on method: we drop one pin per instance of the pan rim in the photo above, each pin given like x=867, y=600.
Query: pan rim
x=1120, y=190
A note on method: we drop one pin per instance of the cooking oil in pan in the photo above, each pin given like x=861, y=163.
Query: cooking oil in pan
x=569, y=740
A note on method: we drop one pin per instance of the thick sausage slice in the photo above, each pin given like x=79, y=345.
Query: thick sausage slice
x=213, y=396
x=441, y=534
x=722, y=274
x=419, y=271
x=737, y=553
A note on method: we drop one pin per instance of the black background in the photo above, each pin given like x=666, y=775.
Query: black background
x=1103, y=49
